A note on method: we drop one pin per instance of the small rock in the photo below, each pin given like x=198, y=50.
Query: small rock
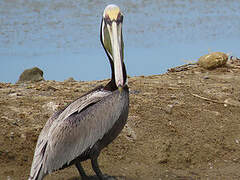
x=130, y=133
x=205, y=77
x=50, y=88
x=168, y=109
x=71, y=79
x=34, y=74
x=11, y=135
x=213, y=60
x=50, y=106
x=23, y=136
x=13, y=94
x=172, y=97
x=134, y=92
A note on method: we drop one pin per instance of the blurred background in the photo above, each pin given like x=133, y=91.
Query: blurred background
x=62, y=37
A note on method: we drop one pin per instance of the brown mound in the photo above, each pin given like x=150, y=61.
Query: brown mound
x=182, y=125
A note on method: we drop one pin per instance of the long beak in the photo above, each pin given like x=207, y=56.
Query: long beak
x=115, y=36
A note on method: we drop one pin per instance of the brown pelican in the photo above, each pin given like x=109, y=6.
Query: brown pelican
x=81, y=130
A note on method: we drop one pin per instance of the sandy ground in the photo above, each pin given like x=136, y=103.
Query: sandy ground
x=184, y=124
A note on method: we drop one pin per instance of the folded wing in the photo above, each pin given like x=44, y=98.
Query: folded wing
x=71, y=131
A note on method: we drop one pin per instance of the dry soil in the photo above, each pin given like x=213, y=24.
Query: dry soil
x=184, y=124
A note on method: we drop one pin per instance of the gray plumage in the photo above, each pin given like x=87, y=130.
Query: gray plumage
x=70, y=132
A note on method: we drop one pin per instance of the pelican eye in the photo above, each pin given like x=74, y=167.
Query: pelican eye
x=119, y=18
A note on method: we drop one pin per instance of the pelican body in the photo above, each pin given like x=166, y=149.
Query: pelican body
x=82, y=129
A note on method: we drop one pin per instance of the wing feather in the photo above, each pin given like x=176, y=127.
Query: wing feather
x=70, y=140
x=83, y=102
x=39, y=154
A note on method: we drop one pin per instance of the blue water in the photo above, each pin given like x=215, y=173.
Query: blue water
x=62, y=37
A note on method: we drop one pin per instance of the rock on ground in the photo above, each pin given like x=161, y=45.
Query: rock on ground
x=34, y=74
x=213, y=60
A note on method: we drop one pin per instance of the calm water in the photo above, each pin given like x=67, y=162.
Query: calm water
x=62, y=36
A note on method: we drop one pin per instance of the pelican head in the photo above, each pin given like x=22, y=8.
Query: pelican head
x=111, y=38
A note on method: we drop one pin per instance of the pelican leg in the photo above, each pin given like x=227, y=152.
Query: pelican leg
x=81, y=171
x=96, y=168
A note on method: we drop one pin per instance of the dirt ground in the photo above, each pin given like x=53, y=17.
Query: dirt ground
x=184, y=125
